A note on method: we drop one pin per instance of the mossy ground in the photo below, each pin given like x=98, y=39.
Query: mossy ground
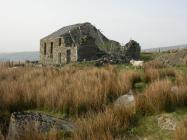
x=147, y=126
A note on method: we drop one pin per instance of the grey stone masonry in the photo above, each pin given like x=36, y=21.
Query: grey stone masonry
x=81, y=42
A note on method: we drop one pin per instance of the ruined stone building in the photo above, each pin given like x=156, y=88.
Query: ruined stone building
x=77, y=43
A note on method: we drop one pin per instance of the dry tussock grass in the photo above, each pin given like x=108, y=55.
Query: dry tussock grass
x=153, y=64
x=181, y=78
x=155, y=70
x=152, y=74
x=90, y=92
x=181, y=131
x=168, y=72
x=157, y=97
x=70, y=90
x=106, y=125
x=32, y=133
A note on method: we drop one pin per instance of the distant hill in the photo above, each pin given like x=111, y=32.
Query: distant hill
x=19, y=56
x=162, y=49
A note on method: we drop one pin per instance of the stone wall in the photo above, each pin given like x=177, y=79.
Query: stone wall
x=85, y=42
x=132, y=50
x=49, y=59
x=84, y=45
x=88, y=50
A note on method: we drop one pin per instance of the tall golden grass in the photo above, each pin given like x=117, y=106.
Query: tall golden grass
x=69, y=90
x=155, y=70
x=156, y=98
x=110, y=124
x=151, y=74
x=154, y=64
x=181, y=131
x=88, y=93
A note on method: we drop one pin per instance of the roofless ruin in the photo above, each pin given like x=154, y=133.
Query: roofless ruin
x=83, y=42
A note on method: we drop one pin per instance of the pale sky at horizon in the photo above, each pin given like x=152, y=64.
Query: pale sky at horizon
x=153, y=23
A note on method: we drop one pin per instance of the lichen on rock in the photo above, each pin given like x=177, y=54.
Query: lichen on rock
x=41, y=123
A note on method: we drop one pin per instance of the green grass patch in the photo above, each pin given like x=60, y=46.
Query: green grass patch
x=139, y=86
x=148, y=126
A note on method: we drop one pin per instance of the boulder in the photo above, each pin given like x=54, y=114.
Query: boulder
x=22, y=121
x=127, y=101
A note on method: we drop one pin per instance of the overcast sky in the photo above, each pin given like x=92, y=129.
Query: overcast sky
x=153, y=23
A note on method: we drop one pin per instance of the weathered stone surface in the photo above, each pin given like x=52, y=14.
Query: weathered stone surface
x=132, y=50
x=167, y=122
x=83, y=42
x=112, y=59
x=127, y=101
x=21, y=121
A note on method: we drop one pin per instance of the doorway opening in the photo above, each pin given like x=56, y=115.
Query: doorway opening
x=68, y=56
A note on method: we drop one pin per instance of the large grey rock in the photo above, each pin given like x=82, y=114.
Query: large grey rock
x=127, y=101
x=22, y=121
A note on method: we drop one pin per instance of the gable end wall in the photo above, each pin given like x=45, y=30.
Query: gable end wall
x=54, y=59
